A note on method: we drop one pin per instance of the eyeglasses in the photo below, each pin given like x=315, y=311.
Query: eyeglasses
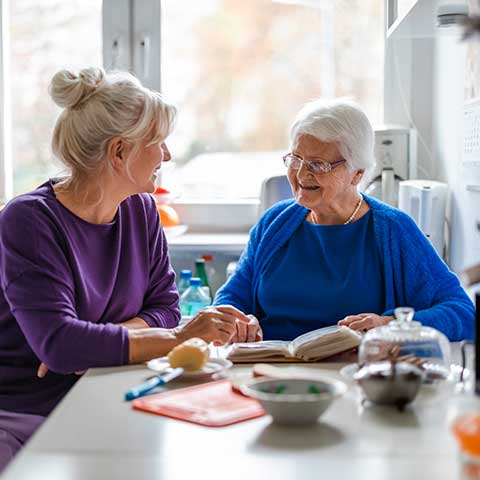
x=292, y=161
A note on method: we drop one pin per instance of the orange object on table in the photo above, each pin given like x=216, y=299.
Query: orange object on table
x=467, y=430
x=211, y=404
x=168, y=215
x=161, y=191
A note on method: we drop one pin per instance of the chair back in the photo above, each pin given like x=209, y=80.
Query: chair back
x=273, y=190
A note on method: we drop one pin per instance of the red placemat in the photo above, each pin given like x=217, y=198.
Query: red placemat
x=213, y=404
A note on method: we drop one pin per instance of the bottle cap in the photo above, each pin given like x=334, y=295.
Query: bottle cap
x=186, y=274
x=207, y=258
x=200, y=260
x=195, y=282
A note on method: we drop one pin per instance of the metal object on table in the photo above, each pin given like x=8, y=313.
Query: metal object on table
x=469, y=277
x=390, y=383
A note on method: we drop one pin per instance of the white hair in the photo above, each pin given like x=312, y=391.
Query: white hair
x=339, y=121
x=99, y=106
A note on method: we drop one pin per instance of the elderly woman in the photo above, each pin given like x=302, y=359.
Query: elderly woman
x=333, y=255
x=85, y=274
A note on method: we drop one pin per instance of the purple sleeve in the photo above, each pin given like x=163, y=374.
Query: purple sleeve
x=160, y=305
x=38, y=286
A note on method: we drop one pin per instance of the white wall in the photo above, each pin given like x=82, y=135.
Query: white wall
x=425, y=88
x=447, y=121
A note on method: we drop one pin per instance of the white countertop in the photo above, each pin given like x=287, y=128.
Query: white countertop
x=94, y=434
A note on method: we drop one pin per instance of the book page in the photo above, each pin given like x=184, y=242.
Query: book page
x=265, y=344
x=259, y=350
x=316, y=336
x=325, y=342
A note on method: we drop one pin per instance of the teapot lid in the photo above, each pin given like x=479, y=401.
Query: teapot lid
x=404, y=319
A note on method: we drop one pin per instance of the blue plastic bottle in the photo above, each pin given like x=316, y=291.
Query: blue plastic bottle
x=194, y=298
x=184, y=282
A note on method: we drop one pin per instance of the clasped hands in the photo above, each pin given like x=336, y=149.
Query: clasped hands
x=221, y=325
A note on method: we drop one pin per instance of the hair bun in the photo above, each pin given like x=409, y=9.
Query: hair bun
x=69, y=90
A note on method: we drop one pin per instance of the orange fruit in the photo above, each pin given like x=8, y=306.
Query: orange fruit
x=467, y=430
x=168, y=216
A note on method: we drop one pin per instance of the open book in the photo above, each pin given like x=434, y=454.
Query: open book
x=309, y=347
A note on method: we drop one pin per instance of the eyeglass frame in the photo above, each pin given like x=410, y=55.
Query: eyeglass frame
x=310, y=164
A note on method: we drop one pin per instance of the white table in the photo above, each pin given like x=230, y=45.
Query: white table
x=94, y=434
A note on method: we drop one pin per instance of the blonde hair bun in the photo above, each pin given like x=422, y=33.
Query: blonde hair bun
x=69, y=90
x=98, y=106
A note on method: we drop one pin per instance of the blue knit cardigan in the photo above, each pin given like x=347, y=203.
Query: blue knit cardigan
x=414, y=274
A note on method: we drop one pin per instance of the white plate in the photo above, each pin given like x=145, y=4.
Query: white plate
x=348, y=372
x=213, y=366
x=176, y=231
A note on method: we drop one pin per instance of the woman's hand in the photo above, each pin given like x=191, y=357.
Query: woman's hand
x=248, y=332
x=214, y=324
x=365, y=321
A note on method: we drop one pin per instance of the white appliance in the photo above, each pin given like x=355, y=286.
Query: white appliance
x=396, y=160
x=426, y=201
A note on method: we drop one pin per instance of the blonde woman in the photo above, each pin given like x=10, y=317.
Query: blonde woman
x=85, y=274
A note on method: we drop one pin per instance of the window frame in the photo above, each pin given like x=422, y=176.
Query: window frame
x=6, y=164
x=132, y=38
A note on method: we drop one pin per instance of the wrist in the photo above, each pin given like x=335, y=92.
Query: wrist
x=134, y=324
x=148, y=343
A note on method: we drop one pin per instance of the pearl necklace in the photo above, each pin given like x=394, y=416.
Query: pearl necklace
x=350, y=218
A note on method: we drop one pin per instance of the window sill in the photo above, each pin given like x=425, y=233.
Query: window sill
x=216, y=216
x=232, y=243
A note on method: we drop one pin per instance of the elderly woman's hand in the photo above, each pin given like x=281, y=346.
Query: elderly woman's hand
x=214, y=324
x=365, y=321
x=248, y=332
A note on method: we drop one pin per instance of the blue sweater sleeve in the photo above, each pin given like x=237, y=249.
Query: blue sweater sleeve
x=430, y=287
x=238, y=290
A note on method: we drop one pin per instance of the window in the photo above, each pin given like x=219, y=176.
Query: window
x=45, y=37
x=239, y=72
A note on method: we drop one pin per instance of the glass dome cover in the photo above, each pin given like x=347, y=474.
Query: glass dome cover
x=405, y=340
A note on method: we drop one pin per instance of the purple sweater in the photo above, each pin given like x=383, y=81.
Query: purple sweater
x=66, y=283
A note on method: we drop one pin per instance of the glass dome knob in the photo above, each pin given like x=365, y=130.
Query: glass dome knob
x=404, y=314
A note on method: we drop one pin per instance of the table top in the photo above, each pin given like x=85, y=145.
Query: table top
x=95, y=434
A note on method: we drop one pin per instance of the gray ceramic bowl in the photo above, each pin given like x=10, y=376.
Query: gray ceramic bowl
x=294, y=401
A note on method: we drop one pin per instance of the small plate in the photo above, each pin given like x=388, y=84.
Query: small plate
x=175, y=231
x=348, y=371
x=454, y=374
x=213, y=366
